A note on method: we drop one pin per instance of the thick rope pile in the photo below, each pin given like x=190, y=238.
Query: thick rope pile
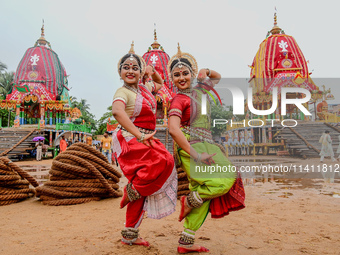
x=80, y=174
x=14, y=183
x=183, y=183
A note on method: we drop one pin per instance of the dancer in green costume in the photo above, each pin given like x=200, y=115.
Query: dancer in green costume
x=211, y=176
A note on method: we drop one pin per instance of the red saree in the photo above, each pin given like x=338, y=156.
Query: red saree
x=150, y=169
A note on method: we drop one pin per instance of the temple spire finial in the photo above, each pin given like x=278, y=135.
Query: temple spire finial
x=43, y=29
x=155, y=33
x=132, y=49
x=275, y=30
x=42, y=41
x=155, y=44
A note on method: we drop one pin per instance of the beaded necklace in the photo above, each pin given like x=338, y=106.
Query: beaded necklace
x=138, y=91
x=186, y=91
x=132, y=88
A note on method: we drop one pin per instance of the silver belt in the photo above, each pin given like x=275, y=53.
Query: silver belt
x=142, y=130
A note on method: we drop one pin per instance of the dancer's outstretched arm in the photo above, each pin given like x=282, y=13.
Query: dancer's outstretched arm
x=180, y=139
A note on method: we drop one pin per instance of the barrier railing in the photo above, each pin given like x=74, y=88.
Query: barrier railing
x=73, y=127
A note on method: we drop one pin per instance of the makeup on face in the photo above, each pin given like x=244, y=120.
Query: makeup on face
x=181, y=77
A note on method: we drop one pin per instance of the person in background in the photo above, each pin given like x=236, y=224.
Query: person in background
x=39, y=145
x=106, y=144
x=88, y=140
x=94, y=146
x=326, y=149
x=45, y=150
x=63, y=144
x=338, y=150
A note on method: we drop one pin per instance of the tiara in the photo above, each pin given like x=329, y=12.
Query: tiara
x=193, y=68
x=132, y=57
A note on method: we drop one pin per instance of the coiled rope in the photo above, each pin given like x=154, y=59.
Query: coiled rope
x=14, y=183
x=183, y=183
x=78, y=175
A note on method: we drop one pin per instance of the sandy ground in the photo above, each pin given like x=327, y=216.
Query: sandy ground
x=284, y=217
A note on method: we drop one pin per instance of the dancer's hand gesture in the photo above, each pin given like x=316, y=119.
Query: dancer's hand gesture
x=202, y=75
x=148, y=139
x=149, y=71
x=207, y=158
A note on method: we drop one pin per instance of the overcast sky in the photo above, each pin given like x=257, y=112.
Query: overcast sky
x=91, y=36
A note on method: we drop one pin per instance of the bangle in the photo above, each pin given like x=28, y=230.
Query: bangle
x=199, y=157
x=208, y=71
x=141, y=139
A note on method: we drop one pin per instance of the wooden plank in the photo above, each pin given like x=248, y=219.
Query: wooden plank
x=304, y=140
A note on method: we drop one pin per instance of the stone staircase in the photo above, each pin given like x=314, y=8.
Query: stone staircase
x=16, y=143
x=303, y=140
x=164, y=136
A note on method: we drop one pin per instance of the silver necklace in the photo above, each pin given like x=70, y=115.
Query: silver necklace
x=131, y=88
x=137, y=91
x=185, y=91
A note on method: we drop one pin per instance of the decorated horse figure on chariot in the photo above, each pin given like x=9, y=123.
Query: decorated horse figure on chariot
x=243, y=143
x=236, y=142
x=229, y=142
x=250, y=140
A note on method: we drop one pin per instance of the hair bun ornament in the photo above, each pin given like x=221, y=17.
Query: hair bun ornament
x=187, y=56
x=134, y=55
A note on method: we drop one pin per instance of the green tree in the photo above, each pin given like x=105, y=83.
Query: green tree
x=103, y=120
x=3, y=67
x=6, y=83
x=73, y=101
x=4, y=113
x=84, y=107
x=219, y=112
x=89, y=118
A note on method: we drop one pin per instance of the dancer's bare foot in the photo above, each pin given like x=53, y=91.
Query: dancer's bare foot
x=185, y=209
x=194, y=248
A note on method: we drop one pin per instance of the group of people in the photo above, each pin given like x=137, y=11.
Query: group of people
x=327, y=148
x=64, y=143
x=151, y=169
x=105, y=146
x=41, y=150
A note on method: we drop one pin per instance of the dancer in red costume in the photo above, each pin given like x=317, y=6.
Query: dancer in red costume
x=145, y=162
x=217, y=193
